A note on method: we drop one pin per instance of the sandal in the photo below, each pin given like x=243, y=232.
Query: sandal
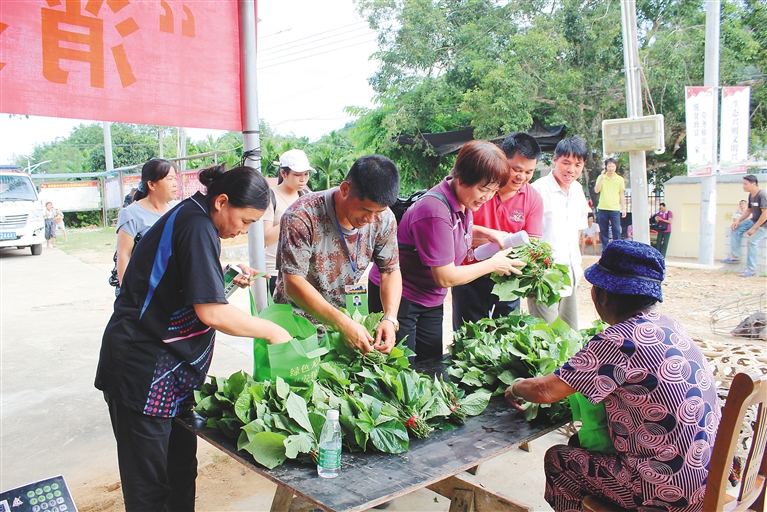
x=747, y=273
x=730, y=261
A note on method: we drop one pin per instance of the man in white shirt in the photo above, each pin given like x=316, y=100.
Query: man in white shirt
x=565, y=211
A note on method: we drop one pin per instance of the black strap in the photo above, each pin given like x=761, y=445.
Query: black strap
x=441, y=197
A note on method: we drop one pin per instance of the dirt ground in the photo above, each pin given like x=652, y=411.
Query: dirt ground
x=691, y=295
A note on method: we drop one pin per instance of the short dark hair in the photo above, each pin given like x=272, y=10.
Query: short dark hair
x=625, y=304
x=750, y=177
x=522, y=143
x=572, y=146
x=590, y=214
x=481, y=161
x=662, y=204
x=611, y=161
x=376, y=178
x=244, y=186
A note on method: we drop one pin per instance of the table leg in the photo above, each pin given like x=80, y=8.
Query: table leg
x=462, y=501
x=484, y=500
x=283, y=497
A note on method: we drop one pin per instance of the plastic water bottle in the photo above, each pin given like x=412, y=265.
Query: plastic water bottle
x=330, y=447
x=484, y=251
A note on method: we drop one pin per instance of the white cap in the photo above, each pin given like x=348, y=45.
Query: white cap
x=296, y=160
x=333, y=414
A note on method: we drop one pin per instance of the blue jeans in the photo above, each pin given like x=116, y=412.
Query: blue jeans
x=753, y=246
x=606, y=218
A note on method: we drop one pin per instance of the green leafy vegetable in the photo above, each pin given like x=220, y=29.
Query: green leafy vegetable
x=541, y=277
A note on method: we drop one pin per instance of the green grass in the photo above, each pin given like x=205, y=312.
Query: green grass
x=98, y=243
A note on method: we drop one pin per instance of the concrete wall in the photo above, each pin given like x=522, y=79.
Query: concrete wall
x=682, y=197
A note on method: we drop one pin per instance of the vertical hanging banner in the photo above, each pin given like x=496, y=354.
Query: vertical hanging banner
x=159, y=62
x=699, y=107
x=733, y=141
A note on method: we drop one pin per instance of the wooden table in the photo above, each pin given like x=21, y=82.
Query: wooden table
x=439, y=463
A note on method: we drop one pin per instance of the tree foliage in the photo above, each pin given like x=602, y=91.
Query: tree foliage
x=449, y=64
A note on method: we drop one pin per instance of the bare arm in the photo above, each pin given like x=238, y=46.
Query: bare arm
x=235, y=322
x=125, y=245
x=271, y=232
x=310, y=300
x=539, y=390
x=449, y=275
x=598, y=184
x=391, y=292
x=761, y=220
x=482, y=235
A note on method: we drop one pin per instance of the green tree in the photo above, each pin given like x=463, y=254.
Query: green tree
x=448, y=64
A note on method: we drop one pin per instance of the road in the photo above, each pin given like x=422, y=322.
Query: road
x=53, y=310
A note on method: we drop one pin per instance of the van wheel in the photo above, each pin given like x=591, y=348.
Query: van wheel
x=36, y=250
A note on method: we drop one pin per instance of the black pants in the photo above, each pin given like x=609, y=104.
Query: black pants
x=157, y=460
x=475, y=300
x=422, y=325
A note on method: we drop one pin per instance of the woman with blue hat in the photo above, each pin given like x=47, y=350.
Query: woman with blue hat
x=657, y=389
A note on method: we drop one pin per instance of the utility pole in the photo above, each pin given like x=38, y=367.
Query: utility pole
x=250, y=134
x=708, y=183
x=110, y=165
x=640, y=216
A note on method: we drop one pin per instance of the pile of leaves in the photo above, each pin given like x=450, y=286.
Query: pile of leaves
x=383, y=403
x=489, y=354
x=541, y=277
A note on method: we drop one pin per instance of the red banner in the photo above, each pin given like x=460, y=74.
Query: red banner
x=158, y=62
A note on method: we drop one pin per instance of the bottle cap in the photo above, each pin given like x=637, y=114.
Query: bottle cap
x=332, y=414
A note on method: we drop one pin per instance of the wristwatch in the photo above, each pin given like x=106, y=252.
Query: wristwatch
x=392, y=320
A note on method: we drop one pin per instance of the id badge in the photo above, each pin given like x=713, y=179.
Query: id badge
x=357, y=299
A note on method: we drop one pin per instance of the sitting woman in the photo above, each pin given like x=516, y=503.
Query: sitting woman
x=657, y=389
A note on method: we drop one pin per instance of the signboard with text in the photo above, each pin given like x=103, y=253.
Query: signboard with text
x=733, y=141
x=72, y=196
x=699, y=107
x=165, y=62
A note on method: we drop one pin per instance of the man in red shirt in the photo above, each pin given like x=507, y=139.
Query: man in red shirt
x=516, y=207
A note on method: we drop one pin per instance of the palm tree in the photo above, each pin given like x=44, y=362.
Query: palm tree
x=331, y=165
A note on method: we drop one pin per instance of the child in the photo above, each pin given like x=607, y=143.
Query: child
x=58, y=218
x=589, y=235
x=50, y=224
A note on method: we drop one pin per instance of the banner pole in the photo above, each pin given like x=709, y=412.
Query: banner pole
x=251, y=144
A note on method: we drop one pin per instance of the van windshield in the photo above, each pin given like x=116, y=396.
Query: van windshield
x=16, y=188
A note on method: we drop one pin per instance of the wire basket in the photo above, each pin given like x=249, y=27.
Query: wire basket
x=746, y=318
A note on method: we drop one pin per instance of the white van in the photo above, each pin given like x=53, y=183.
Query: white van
x=21, y=211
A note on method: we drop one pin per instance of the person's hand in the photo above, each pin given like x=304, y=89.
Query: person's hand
x=503, y=265
x=496, y=236
x=357, y=336
x=247, y=277
x=751, y=231
x=278, y=335
x=623, y=214
x=386, y=337
x=735, y=224
x=514, y=402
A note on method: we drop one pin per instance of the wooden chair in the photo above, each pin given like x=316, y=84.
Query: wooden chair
x=748, y=389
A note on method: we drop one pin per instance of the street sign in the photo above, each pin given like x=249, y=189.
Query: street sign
x=639, y=134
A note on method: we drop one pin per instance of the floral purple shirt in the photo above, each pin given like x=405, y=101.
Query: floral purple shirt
x=661, y=403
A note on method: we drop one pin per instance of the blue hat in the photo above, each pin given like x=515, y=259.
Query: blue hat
x=629, y=268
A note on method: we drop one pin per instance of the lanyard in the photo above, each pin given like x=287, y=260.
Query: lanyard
x=354, y=262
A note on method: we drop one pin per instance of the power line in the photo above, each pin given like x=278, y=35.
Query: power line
x=267, y=61
x=316, y=54
x=272, y=51
x=313, y=35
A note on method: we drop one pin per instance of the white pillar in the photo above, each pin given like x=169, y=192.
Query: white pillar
x=640, y=214
x=708, y=183
x=250, y=134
